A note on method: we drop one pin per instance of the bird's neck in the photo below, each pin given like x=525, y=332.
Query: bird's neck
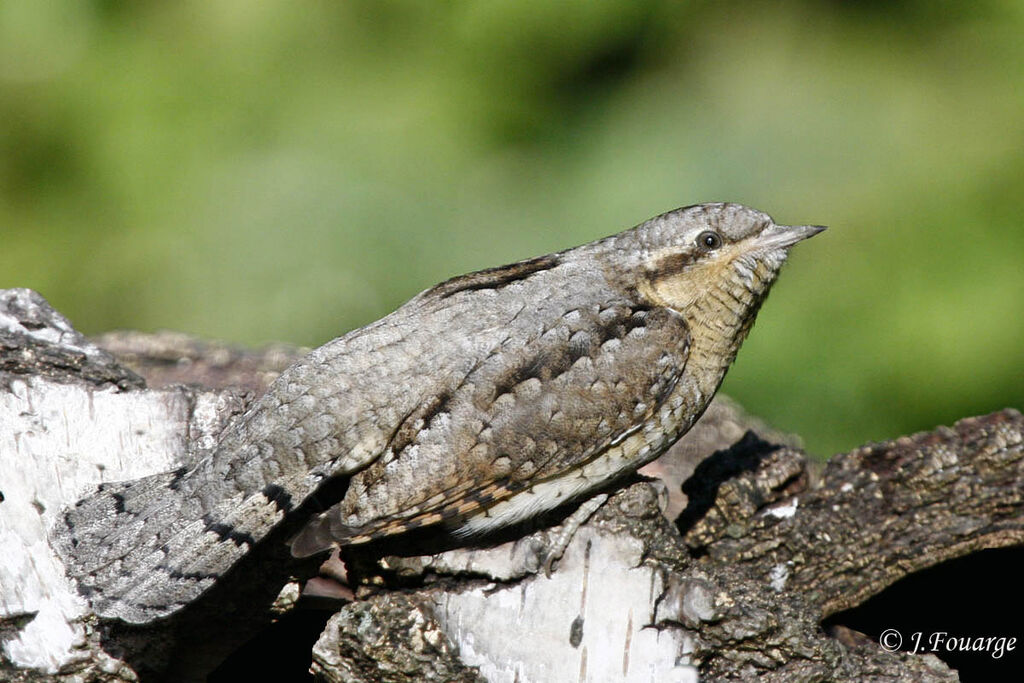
x=719, y=322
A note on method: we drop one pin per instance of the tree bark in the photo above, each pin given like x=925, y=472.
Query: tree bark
x=723, y=562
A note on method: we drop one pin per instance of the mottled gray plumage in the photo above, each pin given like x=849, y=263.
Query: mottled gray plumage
x=481, y=402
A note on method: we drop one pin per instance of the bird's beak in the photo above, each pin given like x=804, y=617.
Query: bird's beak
x=785, y=236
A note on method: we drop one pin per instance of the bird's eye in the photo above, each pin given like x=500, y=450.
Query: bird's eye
x=709, y=240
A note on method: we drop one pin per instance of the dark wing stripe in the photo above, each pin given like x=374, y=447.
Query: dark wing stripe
x=493, y=278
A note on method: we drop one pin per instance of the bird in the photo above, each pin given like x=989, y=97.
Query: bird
x=482, y=403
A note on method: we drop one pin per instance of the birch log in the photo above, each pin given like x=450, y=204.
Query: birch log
x=721, y=564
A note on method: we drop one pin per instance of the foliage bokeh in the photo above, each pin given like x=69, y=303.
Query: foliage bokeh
x=288, y=171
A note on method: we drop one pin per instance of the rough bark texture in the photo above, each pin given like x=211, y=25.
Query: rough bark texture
x=729, y=572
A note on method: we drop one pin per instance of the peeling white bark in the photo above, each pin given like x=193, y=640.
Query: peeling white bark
x=591, y=621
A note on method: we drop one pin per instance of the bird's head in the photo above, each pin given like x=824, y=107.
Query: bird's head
x=714, y=256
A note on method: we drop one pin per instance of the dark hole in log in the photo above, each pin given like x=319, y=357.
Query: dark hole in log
x=977, y=596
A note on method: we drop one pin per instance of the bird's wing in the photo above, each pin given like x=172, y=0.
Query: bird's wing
x=524, y=414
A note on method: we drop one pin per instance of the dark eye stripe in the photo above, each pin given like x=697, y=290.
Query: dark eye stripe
x=673, y=264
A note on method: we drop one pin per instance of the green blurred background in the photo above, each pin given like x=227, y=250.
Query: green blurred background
x=258, y=171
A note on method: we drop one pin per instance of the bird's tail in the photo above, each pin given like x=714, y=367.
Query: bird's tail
x=142, y=549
